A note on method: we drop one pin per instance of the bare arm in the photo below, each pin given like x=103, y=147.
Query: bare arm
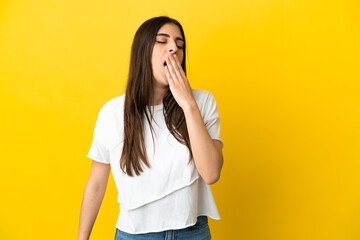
x=92, y=199
x=207, y=152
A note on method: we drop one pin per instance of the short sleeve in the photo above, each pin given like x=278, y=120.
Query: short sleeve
x=212, y=118
x=99, y=147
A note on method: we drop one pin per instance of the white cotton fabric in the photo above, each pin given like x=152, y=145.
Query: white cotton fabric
x=169, y=195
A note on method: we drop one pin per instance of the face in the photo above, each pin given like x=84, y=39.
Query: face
x=168, y=41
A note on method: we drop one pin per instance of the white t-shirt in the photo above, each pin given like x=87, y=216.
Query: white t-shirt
x=170, y=194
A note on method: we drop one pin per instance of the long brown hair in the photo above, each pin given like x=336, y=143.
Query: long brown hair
x=139, y=97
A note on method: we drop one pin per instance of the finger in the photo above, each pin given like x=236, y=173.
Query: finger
x=181, y=70
x=175, y=67
x=167, y=73
x=171, y=69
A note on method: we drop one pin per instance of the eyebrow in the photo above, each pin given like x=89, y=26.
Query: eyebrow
x=167, y=35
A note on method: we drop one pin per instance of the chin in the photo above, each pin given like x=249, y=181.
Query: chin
x=162, y=83
x=166, y=84
x=164, y=80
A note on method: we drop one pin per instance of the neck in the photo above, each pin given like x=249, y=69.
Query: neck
x=159, y=92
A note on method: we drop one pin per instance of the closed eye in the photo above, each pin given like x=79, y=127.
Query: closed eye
x=165, y=42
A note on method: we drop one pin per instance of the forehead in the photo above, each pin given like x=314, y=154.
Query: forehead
x=170, y=29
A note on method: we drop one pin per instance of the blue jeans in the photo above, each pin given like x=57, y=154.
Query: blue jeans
x=199, y=231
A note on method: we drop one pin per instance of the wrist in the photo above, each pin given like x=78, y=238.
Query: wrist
x=191, y=108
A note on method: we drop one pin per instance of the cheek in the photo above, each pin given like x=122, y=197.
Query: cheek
x=154, y=63
x=181, y=58
x=154, y=57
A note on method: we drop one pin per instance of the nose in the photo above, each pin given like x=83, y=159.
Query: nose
x=173, y=51
x=173, y=48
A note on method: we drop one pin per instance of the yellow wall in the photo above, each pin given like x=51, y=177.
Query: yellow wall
x=285, y=75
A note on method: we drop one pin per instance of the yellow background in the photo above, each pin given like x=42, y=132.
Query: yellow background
x=285, y=75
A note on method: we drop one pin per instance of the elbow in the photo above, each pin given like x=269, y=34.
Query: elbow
x=214, y=177
x=212, y=180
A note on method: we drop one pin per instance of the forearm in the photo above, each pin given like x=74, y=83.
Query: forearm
x=90, y=206
x=207, y=159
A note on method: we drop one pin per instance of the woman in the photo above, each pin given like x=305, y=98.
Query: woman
x=169, y=195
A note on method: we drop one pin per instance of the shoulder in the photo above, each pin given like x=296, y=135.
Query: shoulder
x=204, y=99
x=114, y=107
x=202, y=96
x=200, y=92
x=115, y=103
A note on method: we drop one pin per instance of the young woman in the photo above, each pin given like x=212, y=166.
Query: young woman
x=163, y=181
